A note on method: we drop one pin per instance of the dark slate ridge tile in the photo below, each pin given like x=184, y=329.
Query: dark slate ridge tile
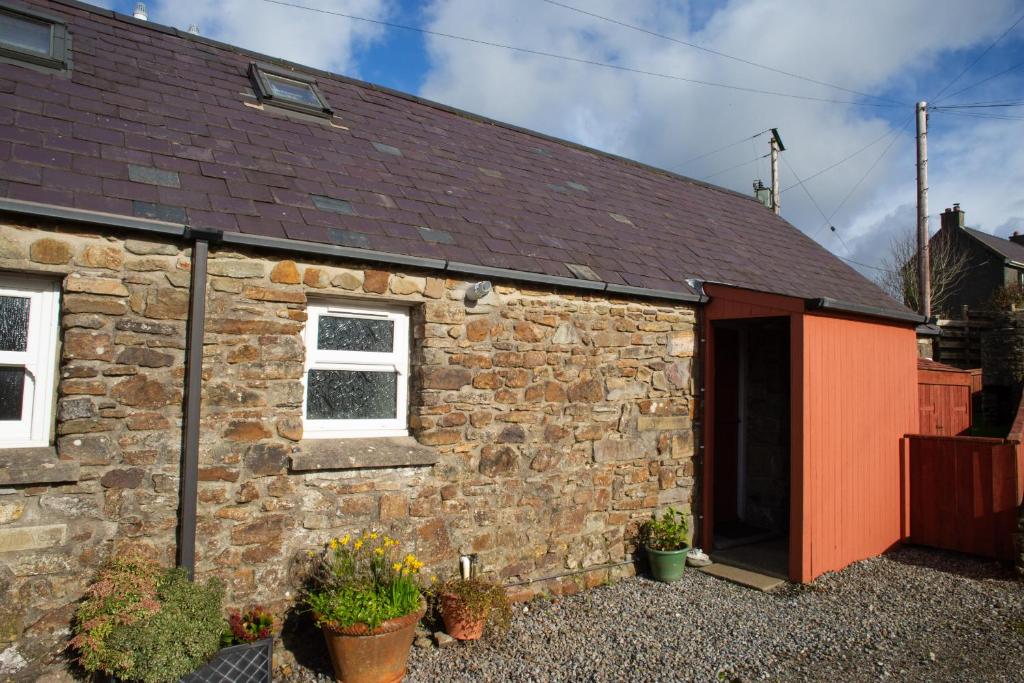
x=154, y=125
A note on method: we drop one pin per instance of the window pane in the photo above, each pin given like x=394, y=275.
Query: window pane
x=14, y=323
x=355, y=334
x=12, y=391
x=293, y=91
x=352, y=395
x=22, y=33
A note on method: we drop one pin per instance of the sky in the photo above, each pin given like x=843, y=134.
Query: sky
x=884, y=56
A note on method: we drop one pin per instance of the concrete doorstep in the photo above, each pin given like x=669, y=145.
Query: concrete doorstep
x=743, y=577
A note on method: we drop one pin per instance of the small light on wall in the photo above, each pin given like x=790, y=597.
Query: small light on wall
x=478, y=290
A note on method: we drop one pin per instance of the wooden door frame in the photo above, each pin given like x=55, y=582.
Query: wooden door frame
x=729, y=303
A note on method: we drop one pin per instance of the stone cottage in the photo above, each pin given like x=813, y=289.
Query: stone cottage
x=246, y=306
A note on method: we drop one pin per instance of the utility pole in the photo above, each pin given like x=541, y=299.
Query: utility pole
x=777, y=147
x=924, y=283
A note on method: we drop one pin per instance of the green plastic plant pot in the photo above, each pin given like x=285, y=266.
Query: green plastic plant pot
x=667, y=565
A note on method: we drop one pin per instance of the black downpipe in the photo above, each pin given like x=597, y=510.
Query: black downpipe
x=196, y=328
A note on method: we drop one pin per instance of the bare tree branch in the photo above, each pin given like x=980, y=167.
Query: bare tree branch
x=949, y=267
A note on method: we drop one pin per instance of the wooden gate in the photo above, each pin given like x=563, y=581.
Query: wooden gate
x=962, y=493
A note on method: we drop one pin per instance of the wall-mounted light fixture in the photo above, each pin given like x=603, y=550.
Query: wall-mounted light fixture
x=478, y=290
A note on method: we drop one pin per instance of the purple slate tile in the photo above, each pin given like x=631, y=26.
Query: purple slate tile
x=212, y=220
x=40, y=194
x=143, y=97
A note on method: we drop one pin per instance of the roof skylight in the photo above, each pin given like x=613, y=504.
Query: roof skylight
x=26, y=36
x=288, y=89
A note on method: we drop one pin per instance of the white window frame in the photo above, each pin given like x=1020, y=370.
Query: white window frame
x=39, y=360
x=397, y=361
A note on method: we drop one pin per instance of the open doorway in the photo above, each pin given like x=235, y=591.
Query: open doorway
x=751, y=475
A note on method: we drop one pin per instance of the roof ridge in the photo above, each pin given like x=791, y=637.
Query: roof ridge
x=170, y=30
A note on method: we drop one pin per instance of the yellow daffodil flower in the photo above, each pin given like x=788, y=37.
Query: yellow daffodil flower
x=358, y=544
x=379, y=551
x=396, y=566
x=373, y=535
x=345, y=540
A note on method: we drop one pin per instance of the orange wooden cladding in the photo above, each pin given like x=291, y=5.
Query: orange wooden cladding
x=860, y=398
x=854, y=397
x=963, y=494
x=944, y=396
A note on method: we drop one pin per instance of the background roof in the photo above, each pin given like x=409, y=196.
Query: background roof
x=155, y=123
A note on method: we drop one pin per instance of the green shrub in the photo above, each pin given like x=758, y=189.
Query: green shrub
x=362, y=580
x=141, y=622
x=669, y=532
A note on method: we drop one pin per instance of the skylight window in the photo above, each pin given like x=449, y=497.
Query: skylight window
x=30, y=37
x=289, y=90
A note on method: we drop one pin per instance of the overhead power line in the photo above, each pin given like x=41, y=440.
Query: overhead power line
x=843, y=160
x=985, y=80
x=723, y=148
x=895, y=137
x=732, y=168
x=577, y=60
x=977, y=59
x=717, y=53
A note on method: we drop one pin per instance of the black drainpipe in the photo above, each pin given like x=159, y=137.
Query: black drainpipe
x=196, y=330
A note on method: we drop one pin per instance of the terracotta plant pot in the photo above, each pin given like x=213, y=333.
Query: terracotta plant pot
x=459, y=622
x=361, y=655
x=667, y=565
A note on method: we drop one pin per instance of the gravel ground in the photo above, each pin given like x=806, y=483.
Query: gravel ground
x=912, y=615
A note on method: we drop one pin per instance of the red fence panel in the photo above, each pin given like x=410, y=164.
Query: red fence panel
x=963, y=493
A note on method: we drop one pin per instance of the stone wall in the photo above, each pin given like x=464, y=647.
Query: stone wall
x=556, y=422
x=117, y=433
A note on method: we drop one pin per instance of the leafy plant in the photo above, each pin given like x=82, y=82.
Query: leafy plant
x=477, y=599
x=255, y=623
x=669, y=532
x=141, y=622
x=362, y=580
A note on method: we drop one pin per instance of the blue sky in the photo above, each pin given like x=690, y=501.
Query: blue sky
x=902, y=51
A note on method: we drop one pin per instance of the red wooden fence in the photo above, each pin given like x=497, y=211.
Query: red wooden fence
x=963, y=493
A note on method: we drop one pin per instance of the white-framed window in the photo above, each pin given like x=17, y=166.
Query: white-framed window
x=28, y=349
x=357, y=370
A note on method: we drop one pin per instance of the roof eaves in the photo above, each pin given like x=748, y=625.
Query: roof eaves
x=828, y=304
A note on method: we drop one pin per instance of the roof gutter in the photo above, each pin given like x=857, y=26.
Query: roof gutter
x=108, y=220
x=837, y=306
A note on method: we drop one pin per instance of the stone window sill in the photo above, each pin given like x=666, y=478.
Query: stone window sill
x=19, y=466
x=351, y=454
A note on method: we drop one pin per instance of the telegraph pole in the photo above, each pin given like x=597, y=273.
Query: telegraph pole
x=777, y=147
x=924, y=284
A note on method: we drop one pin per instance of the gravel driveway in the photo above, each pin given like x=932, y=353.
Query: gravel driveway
x=912, y=615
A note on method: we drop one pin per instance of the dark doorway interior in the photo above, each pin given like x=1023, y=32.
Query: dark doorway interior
x=752, y=443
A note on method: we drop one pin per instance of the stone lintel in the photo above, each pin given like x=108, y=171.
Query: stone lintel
x=34, y=466
x=349, y=454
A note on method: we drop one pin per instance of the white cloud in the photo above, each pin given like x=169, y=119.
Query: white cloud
x=310, y=38
x=867, y=46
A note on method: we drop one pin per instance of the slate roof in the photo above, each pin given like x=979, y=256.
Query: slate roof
x=1003, y=247
x=154, y=122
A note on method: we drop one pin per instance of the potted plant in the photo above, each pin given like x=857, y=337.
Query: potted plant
x=142, y=622
x=469, y=605
x=367, y=600
x=247, y=650
x=666, y=540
